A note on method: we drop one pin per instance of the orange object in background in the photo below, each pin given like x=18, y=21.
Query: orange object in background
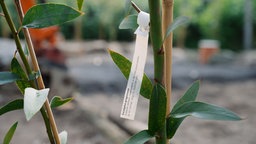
x=207, y=49
x=39, y=36
x=44, y=39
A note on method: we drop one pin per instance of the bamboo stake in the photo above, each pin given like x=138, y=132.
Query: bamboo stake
x=39, y=79
x=167, y=19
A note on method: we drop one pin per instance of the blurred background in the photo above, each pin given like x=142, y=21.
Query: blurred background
x=217, y=46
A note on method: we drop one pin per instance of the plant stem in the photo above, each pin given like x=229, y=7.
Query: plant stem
x=156, y=39
x=40, y=81
x=47, y=125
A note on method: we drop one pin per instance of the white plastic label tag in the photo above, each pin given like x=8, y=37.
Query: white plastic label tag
x=132, y=91
x=34, y=100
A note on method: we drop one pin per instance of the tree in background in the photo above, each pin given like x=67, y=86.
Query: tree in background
x=223, y=20
x=210, y=19
x=189, y=9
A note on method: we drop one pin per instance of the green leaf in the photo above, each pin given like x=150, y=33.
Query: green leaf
x=8, y=77
x=172, y=124
x=140, y=138
x=190, y=95
x=58, y=101
x=16, y=68
x=26, y=51
x=45, y=15
x=157, y=109
x=33, y=101
x=127, y=6
x=11, y=106
x=187, y=106
x=34, y=75
x=129, y=22
x=80, y=4
x=204, y=111
x=177, y=22
x=10, y=133
x=125, y=66
x=198, y=110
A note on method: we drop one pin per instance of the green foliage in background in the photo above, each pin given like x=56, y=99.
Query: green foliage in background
x=215, y=19
x=210, y=19
x=102, y=18
x=223, y=19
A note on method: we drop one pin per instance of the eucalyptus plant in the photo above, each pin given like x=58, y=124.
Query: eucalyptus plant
x=29, y=80
x=163, y=121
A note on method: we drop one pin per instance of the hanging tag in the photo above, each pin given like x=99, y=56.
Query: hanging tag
x=33, y=101
x=132, y=91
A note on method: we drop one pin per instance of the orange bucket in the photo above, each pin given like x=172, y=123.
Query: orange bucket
x=207, y=49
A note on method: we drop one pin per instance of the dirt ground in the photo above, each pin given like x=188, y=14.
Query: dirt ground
x=93, y=116
x=238, y=97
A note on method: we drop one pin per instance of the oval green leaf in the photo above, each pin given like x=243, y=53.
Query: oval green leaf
x=157, y=109
x=177, y=22
x=140, y=138
x=125, y=66
x=16, y=68
x=172, y=124
x=198, y=110
x=204, y=111
x=8, y=77
x=190, y=95
x=11, y=106
x=34, y=75
x=26, y=51
x=129, y=22
x=10, y=133
x=127, y=6
x=58, y=101
x=45, y=15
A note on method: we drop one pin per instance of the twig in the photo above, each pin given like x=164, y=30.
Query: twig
x=135, y=7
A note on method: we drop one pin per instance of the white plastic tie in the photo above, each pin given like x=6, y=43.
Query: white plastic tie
x=143, y=22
